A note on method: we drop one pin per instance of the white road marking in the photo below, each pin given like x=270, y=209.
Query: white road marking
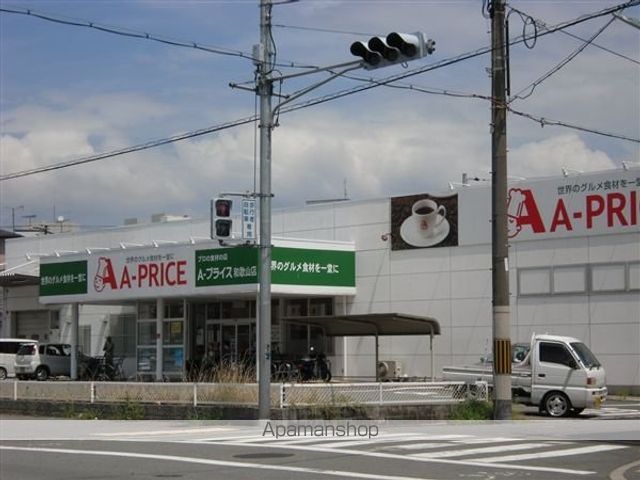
x=550, y=454
x=419, y=446
x=473, y=451
x=164, y=432
x=611, y=412
x=472, y=441
x=221, y=463
x=365, y=453
x=371, y=441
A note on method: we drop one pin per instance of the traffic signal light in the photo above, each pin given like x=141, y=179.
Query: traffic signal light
x=221, y=218
x=393, y=49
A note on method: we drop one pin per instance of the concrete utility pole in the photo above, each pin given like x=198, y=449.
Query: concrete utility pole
x=265, y=88
x=500, y=242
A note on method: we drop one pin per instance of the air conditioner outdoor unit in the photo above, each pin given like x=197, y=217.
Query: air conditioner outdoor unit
x=389, y=370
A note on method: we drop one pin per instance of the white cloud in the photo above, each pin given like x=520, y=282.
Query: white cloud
x=549, y=156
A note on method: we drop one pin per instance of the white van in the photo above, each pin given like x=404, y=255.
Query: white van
x=8, y=349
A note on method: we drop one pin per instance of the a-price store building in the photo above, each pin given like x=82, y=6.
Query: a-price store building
x=574, y=267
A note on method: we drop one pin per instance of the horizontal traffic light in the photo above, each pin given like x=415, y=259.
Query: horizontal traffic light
x=395, y=48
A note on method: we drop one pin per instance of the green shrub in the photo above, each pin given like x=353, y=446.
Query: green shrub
x=472, y=410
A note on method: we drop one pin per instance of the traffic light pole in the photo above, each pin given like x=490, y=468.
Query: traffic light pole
x=500, y=247
x=265, y=90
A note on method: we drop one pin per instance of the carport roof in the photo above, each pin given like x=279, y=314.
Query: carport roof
x=371, y=324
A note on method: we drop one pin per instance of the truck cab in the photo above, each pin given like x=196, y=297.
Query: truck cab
x=565, y=376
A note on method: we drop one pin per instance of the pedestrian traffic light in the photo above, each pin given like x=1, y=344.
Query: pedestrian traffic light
x=221, y=218
x=393, y=49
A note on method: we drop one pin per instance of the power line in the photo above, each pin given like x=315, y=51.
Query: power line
x=547, y=121
x=532, y=86
x=343, y=93
x=124, y=32
x=541, y=24
x=325, y=30
x=123, y=151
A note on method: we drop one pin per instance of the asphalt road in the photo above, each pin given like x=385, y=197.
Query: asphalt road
x=550, y=449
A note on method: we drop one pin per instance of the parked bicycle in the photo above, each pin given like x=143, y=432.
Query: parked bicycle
x=100, y=369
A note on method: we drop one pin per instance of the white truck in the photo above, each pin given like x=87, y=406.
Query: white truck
x=558, y=374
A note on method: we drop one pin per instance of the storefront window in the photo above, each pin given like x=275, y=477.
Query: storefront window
x=146, y=333
x=172, y=359
x=238, y=309
x=172, y=333
x=174, y=310
x=147, y=310
x=296, y=307
x=320, y=306
x=146, y=359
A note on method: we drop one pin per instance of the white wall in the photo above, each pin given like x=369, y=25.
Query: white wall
x=451, y=284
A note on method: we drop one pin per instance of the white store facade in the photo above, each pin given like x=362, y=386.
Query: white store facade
x=574, y=266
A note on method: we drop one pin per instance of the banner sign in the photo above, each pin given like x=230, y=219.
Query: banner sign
x=574, y=206
x=424, y=221
x=289, y=266
x=297, y=266
x=597, y=203
x=226, y=266
x=184, y=270
x=67, y=278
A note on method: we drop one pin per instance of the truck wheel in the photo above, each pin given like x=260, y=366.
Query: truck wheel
x=42, y=373
x=557, y=404
x=3, y=373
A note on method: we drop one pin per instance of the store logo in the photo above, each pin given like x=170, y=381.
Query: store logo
x=613, y=209
x=104, y=275
x=140, y=275
x=522, y=210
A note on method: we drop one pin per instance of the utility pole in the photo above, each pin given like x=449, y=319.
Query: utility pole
x=265, y=89
x=500, y=246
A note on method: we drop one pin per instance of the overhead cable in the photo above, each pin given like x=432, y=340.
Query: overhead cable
x=541, y=24
x=319, y=100
x=140, y=35
x=122, y=151
x=531, y=87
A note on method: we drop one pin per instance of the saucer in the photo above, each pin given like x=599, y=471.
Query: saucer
x=410, y=234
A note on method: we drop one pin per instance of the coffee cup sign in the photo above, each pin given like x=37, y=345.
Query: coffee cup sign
x=428, y=215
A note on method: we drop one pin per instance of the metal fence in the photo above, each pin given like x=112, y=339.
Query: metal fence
x=382, y=393
x=246, y=394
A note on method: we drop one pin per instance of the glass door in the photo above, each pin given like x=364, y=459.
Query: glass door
x=231, y=341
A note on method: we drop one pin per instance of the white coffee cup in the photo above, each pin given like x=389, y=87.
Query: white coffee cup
x=428, y=215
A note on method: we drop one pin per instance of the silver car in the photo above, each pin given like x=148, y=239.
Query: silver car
x=41, y=361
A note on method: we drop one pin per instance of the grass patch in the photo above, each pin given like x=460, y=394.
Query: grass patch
x=472, y=410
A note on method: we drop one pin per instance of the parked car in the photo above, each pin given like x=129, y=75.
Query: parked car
x=41, y=361
x=8, y=349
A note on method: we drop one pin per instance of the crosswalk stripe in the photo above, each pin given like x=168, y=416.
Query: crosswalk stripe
x=419, y=446
x=549, y=454
x=472, y=441
x=371, y=441
x=474, y=451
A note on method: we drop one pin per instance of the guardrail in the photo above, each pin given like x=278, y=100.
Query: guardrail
x=282, y=394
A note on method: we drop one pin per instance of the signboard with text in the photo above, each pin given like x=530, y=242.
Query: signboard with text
x=289, y=266
x=601, y=203
x=188, y=270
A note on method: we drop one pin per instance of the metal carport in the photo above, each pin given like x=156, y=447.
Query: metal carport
x=374, y=324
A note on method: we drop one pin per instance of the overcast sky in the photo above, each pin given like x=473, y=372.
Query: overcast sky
x=69, y=92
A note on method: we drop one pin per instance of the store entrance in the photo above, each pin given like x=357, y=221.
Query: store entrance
x=230, y=341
